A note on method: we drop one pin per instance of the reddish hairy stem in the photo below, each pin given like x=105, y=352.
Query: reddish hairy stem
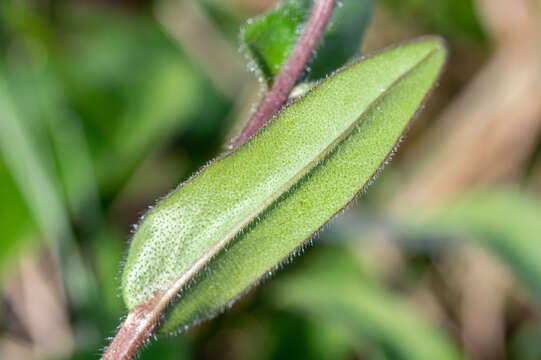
x=286, y=79
x=142, y=320
x=136, y=329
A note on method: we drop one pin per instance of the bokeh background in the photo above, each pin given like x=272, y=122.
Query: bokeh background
x=106, y=105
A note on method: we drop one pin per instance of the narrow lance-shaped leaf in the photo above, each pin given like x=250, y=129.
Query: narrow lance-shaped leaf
x=245, y=213
x=269, y=39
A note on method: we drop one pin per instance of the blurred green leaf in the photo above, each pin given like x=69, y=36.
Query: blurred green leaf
x=269, y=39
x=455, y=19
x=290, y=335
x=27, y=167
x=508, y=222
x=263, y=201
x=25, y=160
x=121, y=78
x=43, y=97
x=332, y=287
x=15, y=220
x=505, y=221
x=134, y=89
x=161, y=107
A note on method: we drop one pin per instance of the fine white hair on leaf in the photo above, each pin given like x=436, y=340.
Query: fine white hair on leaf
x=280, y=190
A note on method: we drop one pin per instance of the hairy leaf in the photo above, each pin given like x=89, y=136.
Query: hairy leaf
x=245, y=213
x=269, y=39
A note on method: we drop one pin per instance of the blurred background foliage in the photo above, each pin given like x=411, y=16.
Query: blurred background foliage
x=107, y=105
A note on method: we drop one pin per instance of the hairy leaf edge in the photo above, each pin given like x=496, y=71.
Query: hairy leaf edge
x=363, y=189
x=161, y=299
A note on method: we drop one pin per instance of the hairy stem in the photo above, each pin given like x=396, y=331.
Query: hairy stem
x=136, y=329
x=141, y=321
x=286, y=79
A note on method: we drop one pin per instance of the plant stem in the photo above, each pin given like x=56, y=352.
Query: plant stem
x=286, y=79
x=137, y=328
x=142, y=320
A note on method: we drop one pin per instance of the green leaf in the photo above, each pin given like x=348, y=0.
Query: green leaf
x=15, y=220
x=134, y=90
x=506, y=222
x=269, y=39
x=503, y=221
x=26, y=161
x=231, y=224
x=457, y=20
x=333, y=288
x=158, y=110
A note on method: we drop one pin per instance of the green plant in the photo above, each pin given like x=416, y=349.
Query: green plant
x=104, y=107
x=234, y=222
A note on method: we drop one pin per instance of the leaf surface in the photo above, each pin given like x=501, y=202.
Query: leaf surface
x=269, y=39
x=230, y=225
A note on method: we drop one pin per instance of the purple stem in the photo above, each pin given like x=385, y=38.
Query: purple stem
x=286, y=79
x=142, y=320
